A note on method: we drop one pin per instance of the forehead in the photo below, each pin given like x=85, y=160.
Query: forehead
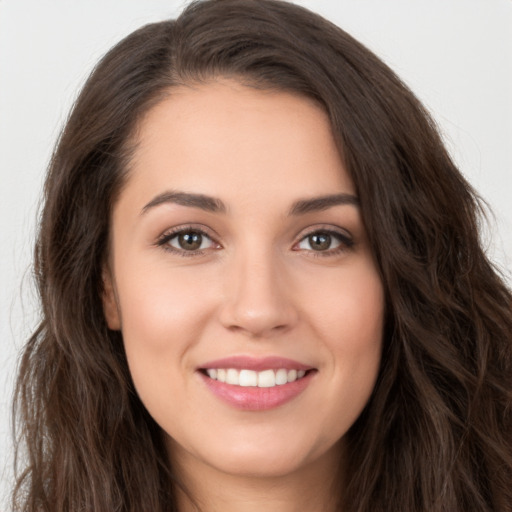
x=223, y=139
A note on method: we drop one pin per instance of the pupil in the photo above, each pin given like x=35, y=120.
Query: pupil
x=190, y=241
x=320, y=242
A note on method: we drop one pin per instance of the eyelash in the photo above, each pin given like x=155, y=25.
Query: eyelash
x=164, y=240
x=345, y=241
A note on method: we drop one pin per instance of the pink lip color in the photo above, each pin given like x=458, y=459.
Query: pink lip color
x=253, y=398
x=256, y=364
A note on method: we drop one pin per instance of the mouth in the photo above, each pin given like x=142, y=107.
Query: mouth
x=253, y=384
x=251, y=378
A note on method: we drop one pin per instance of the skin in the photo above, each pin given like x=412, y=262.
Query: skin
x=258, y=287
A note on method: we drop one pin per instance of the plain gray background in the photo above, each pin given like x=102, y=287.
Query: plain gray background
x=455, y=54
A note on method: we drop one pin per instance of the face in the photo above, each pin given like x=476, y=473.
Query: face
x=243, y=282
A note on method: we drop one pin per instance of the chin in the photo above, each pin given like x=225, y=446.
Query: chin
x=264, y=458
x=260, y=463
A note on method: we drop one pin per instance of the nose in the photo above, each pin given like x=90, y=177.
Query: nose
x=257, y=298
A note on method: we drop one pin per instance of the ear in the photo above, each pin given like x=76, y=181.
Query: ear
x=109, y=299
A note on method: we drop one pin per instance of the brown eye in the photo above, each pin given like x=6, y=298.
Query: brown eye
x=325, y=241
x=320, y=241
x=189, y=241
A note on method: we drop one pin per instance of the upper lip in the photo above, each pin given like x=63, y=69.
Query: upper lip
x=256, y=363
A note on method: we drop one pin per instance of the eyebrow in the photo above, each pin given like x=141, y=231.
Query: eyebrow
x=317, y=204
x=215, y=205
x=207, y=203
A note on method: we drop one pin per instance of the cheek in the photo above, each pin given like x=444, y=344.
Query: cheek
x=162, y=317
x=349, y=308
x=349, y=318
x=156, y=304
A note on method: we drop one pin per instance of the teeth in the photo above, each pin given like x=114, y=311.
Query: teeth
x=281, y=377
x=266, y=379
x=232, y=377
x=250, y=378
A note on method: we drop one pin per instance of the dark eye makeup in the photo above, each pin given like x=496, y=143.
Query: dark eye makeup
x=187, y=241
x=192, y=241
x=325, y=242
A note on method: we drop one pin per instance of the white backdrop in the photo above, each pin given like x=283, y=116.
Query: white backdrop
x=455, y=54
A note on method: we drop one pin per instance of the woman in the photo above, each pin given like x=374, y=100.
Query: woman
x=262, y=286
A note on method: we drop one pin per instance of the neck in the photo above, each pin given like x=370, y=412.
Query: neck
x=315, y=487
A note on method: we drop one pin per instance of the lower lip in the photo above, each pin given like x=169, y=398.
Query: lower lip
x=257, y=399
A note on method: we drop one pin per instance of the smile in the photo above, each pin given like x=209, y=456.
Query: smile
x=256, y=384
x=251, y=378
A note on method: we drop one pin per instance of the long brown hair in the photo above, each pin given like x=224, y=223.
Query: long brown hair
x=436, y=435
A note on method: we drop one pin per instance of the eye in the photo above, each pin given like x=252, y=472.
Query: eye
x=324, y=241
x=187, y=241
